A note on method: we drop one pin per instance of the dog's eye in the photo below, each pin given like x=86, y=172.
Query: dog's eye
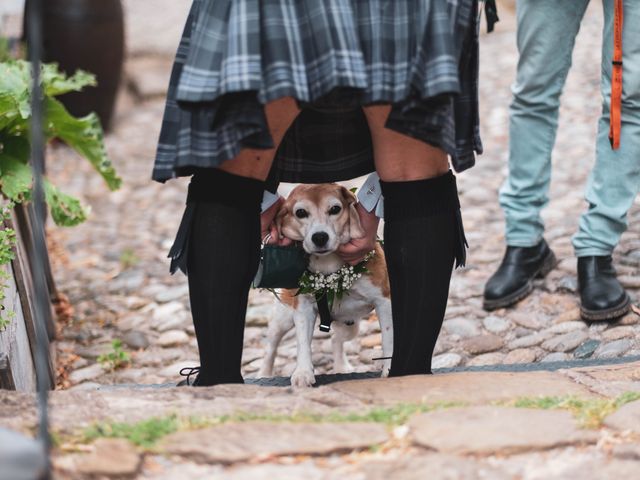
x=302, y=213
x=336, y=209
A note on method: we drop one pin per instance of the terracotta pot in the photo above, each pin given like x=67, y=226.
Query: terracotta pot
x=87, y=35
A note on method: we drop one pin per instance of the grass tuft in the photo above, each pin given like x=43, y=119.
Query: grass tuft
x=148, y=432
x=589, y=412
x=143, y=434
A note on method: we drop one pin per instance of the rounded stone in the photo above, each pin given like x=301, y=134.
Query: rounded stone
x=483, y=344
x=172, y=338
x=566, y=327
x=525, y=320
x=586, y=349
x=520, y=355
x=568, y=316
x=566, y=342
x=136, y=340
x=172, y=294
x=555, y=357
x=616, y=333
x=496, y=324
x=614, y=349
x=446, y=360
x=629, y=319
x=493, y=358
x=87, y=373
x=462, y=327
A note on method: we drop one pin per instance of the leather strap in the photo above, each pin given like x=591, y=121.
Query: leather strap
x=324, y=312
x=491, y=11
x=615, y=117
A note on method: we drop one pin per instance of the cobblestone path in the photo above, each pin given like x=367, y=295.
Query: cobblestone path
x=115, y=271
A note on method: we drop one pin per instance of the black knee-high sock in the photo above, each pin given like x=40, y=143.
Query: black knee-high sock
x=423, y=235
x=222, y=259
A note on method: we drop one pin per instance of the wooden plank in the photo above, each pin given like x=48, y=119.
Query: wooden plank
x=24, y=227
x=14, y=341
x=6, y=376
x=26, y=289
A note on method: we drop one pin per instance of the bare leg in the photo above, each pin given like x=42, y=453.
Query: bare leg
x=255, y=163
x=399, y=157
x=422, y=235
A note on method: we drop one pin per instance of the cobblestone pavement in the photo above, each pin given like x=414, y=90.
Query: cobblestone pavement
x=115, y=271
x=575, y=423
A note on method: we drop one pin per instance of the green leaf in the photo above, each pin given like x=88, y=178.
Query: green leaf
x=56, y=83
x=15, y=81
x=83, y=135
x=66, y=211
x=15, y=178
x=15, y=147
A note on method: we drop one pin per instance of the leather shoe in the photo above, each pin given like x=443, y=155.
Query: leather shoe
x=601, y=295
x=513, y=280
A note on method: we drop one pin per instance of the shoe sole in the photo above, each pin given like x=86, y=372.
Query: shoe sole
x=607, y=314
x=548, y=264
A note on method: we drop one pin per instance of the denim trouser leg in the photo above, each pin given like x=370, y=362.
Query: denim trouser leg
x=615, y=180
x=546, y=36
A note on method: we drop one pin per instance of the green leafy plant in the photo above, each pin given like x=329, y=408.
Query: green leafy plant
x=82, y=134
x=128, y=259
x=116, y=358
x=4, y=49
x=7, y=243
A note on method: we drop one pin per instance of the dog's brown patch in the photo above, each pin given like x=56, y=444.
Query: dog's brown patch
x=377, y=267
x=288, y=297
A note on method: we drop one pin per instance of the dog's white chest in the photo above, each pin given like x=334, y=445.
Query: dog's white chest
x=355, y=304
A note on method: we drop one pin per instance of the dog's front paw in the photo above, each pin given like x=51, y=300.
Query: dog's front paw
x=302, y=379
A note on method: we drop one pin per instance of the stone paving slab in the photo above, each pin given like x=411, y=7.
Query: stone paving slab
x=594, y=470
x=608, y=380
x=231, y=443
x=627, y=419
x=433, y=467
x=467, y=387
x=497, y=430
x=70, y=411
x=75, y=409
x=111, y=457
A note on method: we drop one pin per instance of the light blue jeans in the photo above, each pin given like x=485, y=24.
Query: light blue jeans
x=546, y=35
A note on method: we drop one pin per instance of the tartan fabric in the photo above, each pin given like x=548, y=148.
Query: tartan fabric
x=332, y=56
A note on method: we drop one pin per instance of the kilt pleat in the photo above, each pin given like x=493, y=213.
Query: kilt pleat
x=333, y=57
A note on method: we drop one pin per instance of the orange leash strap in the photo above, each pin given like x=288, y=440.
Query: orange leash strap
x=615, y=120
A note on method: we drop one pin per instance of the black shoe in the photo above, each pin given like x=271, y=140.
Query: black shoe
x=601, y=295
x=513, y=280
x=187, y=372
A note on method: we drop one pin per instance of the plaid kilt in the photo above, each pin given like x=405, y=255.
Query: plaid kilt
x=333, y=57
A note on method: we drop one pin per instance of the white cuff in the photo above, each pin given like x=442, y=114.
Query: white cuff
x=370, y=195
x=268, y=199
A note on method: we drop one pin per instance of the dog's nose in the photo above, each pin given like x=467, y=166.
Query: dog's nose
x=320, y=239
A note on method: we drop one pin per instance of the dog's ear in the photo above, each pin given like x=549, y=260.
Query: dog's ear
x=283, y=211
x=355, y=227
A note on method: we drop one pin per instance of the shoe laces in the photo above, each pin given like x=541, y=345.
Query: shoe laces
x=187, y=372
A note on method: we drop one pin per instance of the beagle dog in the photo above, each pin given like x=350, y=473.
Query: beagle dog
x=323, y=217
